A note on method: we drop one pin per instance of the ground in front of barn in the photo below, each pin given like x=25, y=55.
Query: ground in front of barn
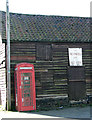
x=63, y=113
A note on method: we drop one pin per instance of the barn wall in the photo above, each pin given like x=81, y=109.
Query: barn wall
x=51, y=69
x=2, y=77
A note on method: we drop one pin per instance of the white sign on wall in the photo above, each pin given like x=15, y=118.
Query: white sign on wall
x=75, y=56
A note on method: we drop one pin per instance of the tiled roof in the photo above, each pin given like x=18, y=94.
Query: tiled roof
x=47, y=28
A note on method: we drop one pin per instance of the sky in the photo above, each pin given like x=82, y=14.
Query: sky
x=79, y=8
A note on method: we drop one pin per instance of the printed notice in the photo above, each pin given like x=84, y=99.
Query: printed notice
x=75, y=56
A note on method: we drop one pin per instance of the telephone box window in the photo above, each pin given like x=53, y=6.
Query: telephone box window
x=26, y=96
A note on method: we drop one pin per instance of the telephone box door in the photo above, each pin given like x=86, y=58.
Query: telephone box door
x=27, y=90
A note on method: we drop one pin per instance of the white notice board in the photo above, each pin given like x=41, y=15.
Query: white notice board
x=75, y=56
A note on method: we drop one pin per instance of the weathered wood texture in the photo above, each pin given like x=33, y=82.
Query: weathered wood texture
x=76, y=83
x=51, y=69
x=2, y=77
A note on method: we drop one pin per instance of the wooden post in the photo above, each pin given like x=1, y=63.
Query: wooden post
x=8, y=57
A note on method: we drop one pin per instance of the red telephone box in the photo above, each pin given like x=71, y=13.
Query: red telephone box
x=24, y=76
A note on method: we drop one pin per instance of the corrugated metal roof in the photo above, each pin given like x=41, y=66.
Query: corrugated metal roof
x=47, y=28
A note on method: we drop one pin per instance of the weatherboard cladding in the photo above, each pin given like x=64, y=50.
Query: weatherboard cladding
x=47, y=28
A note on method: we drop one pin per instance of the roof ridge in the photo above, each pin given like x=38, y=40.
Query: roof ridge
x=45, y=15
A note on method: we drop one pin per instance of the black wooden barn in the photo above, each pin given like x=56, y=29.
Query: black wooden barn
x=44, y=41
